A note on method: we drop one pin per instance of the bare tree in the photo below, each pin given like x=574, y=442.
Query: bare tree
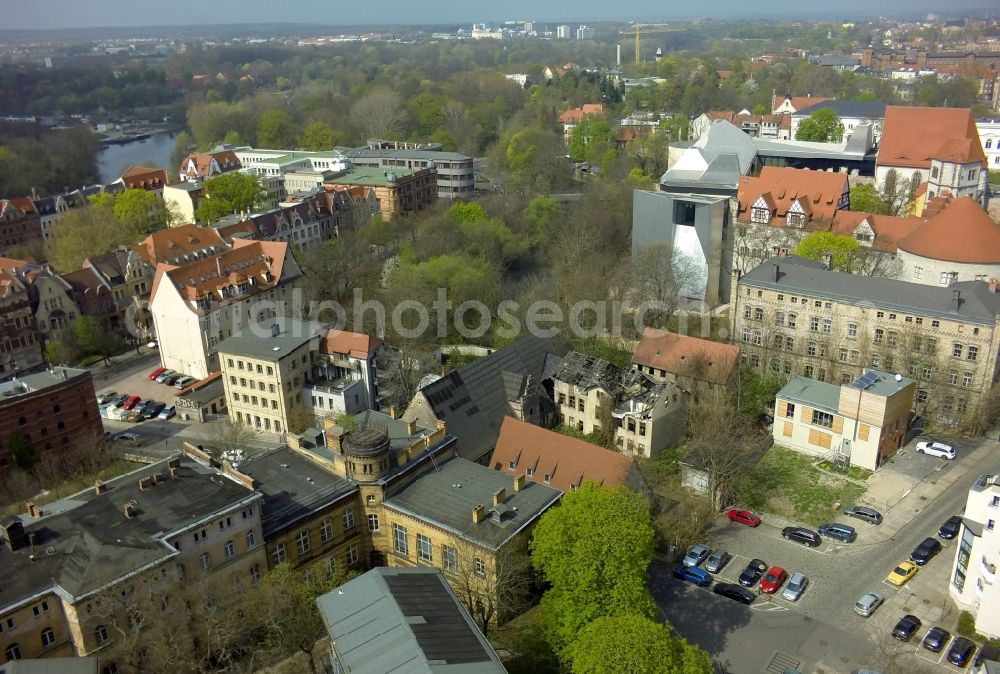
x=665, y=276
x=379, y=114
x=227, y=436
x=498, y=593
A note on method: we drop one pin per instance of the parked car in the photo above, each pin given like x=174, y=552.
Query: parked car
x=168, y=412
x=693, y=575
x=935, y=639
x=156, y=373
x=986, y=652
x=717, y=560
x=837, y=531
x=184, y=382
x=734, y=592
x=950, y=528
x=797, y=584
x=128, y=436
x=902, y=573
x=865, y=513
x=906, y=627
x=774, y=579
x=130, y=402
x=105, y=397
x=935, y=448
x=755, y=569
x=119, y=400
x=960, y=653
x=171, y=379
x=801, y=535
x=134, y=415
x=923, y=552
x=152, y=411
x=743, y=517
x=868, y=603
x=696, y=555
x=163, y=376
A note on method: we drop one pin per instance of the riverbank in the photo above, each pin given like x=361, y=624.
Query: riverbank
x=131, y=136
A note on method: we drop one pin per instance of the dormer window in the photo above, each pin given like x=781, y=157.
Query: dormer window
x=761, y=215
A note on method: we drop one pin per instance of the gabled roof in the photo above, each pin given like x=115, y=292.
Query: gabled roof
x=23, y=204
x=888, y=229
x=144, y=178
x=855, y=109
x=567, y=461
x=354, y=344
x=576, y=115
x=799, y=102
x=962, y=232
x=911, y=137
x=818, y=192
x=686, y=356
x=199, y=164
x=85, y=282
x=175, y=242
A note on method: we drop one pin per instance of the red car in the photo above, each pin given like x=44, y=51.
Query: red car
x=743, y=517
x=131, y=402
x=156, y=373
x=774, y=579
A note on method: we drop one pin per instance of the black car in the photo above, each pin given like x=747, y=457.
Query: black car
x=950, y=528
x=935, y=639
x=755, y=569
x=734, y=592
x=906, y=627
x=152, y=410
x=961, y=651
x=801, y=535
x=923, y=552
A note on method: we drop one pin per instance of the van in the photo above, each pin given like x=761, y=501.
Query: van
x=838, y=531
x=801, y=535
x=865, y=513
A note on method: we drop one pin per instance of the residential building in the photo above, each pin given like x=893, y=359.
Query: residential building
x=184, y=198
x=852, y=114
x=572, y=117
x=399, y=191
x=344, y=374
x=561, y=461
x=145, y=178
x=357, y=204
x=690, y=362
x=973, y=578
x=885, y=58
x=94, y=298
x=74, y=569
x=793, y=316
x=585, y=33
x=20, y=342
x=301, y=221
x=788, y=104
x=51, y=409
x=51, y=301
x=391, y=619
x=20, y=224
x=197, y=305
x=937, y=146
x=454, y=172
x=757, y=126
x=862, y=423
x=989, y=136
x=563, y=32
x=199, y=166
x=474, y=399
x=876, y=232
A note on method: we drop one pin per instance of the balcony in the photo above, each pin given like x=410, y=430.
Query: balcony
x=989, y=572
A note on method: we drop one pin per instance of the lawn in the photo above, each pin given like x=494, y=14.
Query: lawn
x=787, y=483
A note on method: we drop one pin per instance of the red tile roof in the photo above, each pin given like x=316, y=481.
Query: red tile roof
x=23, y=204
x=961, y=232
x=144, y=178
x=176, y=241
x=576, y=115
x=686, y=356
x=889, y=229
x=818, y=193
x=800, y=102
x=911, y=137
x=226, y=159
x=567, y=461
x=354, y=344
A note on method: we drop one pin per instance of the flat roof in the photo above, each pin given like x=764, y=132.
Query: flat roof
x=367, y=175
x=264, y=344
x=26, y=384
x=812, y=392
x=421, y=155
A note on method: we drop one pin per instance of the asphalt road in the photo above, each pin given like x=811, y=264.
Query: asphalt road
x=821, y=626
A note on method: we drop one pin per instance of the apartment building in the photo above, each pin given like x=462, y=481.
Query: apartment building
x=199, y=166
x=197, y=305
x=301, y=221
x=973, y=579
x=399, y=190
x=344, y=374
x=51, y=301
x=852, y=114
x=20, y=345
x=20, y=224
x=454, y=172
x=184, y=198
x=861, y=424
x=52, y=409
x=794, y=317
x=87, y=572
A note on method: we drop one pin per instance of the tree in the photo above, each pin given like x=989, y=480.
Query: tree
x=504, y=592
x=275, y=129
x=94, y=338
x=380, y=114
x=822, y=126
x=299, y=418
x=229, y=436
x=594, y=550
x=319, y=137
x=839, y=251
x=664, y=276
x=22, y=452
x=230, y=193
x=60, y=351
x=140, y=210
x=589, y=139
x=866, y=198
x=89, y=232
x=632, y=644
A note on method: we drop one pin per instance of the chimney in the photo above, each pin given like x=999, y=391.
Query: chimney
x=33, y=510
x=145, y=483
x=392, y=412
x=478, y=514
x=442, y=426
x=993, y=285
x=957, y=297
x=777, y=273
x=499, y=496
x=218, y=265
x=100, y=487
x=411, y=427
x=129, y=510
x=519, y=482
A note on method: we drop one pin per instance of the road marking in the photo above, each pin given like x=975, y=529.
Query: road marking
x=767, y=607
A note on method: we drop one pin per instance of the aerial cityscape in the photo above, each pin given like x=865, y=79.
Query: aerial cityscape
x=499, y=338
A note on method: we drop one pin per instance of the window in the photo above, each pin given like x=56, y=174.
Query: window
x=792, y=318
x=352, y=554
x=400, y=543
x=760, y=215
x=348, y=519
x=230, y=549
x=927, y=373
x=279, y=553
x=373, y=523
x=892, y=338
x=325, y=530
x=424, y=548
x=747, y=310
x=642, y=429
x=779, y=318
x=206, y=561
x=808, y=371
x=930, y=346
x=921, y=396
x=953, y=377
x=990, y=524
x=251, y=539
x=948, y=277
x=757, y=340
x=789, y=343
x=972, y=353
x=842, y=355
x=823, y=419
x=450, y=555
x=956, y=350
x=101, y=634
x=852, y=330
x=255, y=573
x=746, y=335
x=790, y=410
x=684, y=213
x=827, y=326
x=481, y=565
x=814, y=323
x=48, y=637
x=758, y=314
x=876, y=359
x=855, y=356
x=879, y=335
x=811, y=348
x=967, y=379
x=302, y=542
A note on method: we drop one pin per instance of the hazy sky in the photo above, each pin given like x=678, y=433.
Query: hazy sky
x=27, y=14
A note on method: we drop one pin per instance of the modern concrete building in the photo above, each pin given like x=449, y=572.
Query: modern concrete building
x=454, y=172
x=973, y=580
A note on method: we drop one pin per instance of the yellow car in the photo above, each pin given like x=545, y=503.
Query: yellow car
x=902, y=573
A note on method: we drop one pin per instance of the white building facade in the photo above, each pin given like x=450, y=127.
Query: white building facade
x=973, y=581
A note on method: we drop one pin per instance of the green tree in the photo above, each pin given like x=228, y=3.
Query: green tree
x=275, y=129
x=318, y=137
x=866, y=198
x=462, y=212
x=839, y=249
x=88, y=232
x=630, y=644
x=594, y=550
x=93, y=337
x=59, y=351
x=230, y=193
x=140, y=210
x=822, y=126
x=22, y=452
x=590, y=139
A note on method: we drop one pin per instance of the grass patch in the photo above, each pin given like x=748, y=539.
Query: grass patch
x=967, y=628
x=73, y=485
x=787, y=483
x=599, y=439
x=609, y=352
x=853, y=472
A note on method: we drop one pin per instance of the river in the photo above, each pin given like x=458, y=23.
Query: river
x=112, y=160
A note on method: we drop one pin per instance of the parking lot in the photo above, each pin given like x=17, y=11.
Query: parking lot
x=138, y=383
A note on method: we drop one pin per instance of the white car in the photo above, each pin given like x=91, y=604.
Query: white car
x=935, y=448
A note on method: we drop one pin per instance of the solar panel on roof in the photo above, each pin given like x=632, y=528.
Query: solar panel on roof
x=866, y=381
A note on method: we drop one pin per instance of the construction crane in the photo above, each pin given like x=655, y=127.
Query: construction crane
x=647, y=29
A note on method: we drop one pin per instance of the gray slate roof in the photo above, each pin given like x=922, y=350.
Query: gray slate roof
x=861, y=109
x=977, y=305
x=405, y=621
x=260, y=343
x=447, y=496
x=813, y=392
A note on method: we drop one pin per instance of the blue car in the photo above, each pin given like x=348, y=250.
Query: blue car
x=693, y=575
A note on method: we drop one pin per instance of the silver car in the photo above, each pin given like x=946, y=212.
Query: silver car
x=868, y=603
x=696, y=555
x=796, y=586
x=717, y=560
